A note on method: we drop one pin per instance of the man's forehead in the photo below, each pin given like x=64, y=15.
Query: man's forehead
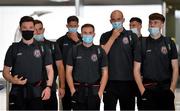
x=115, y=16
x=73, y=23
x=134, y=22
x=28, y=23
x=156, y=20
x=87, y=28
x=39, y=26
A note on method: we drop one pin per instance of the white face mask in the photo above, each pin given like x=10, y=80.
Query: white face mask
x=154, y=31
x=135, y=30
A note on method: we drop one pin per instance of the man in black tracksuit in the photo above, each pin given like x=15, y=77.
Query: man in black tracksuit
x=58, y=66
x=156, y=59
x=71, y=38
x=119, y=45
x=28, y=66
x=86, y=72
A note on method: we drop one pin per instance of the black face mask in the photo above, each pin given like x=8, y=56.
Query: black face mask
x=28, y=34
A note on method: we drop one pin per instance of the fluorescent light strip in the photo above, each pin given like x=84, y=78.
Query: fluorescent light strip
x=59, y=0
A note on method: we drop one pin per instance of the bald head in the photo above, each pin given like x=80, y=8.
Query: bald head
x=116, y=15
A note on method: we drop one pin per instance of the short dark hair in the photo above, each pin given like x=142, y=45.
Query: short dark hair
x=26, y=19
x=37, y=22
x=157, y=16
x=137, y=19
x=88, y=25
x=72, y=18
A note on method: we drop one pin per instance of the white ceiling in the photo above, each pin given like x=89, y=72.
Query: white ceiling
x=85, y=2
x=175, y=3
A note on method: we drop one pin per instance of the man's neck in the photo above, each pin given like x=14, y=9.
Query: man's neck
x=157, y=36
x=28, y=42
x=87, y=45
x=43, y=40
x=139, y=35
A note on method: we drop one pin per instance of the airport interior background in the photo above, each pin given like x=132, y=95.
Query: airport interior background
x=54, y=13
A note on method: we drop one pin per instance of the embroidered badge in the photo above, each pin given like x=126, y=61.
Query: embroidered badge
x=164, y=50
x=125, y=40
x=94, y=57
x=37, y=53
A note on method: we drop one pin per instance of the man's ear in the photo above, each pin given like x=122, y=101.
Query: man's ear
x=94, y=35
x=141, y=26
x=110, y=21
x=123, y=20
x=43, y=30
x=20, y=30
x=162, y=25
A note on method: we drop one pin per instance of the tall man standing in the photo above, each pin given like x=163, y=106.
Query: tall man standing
x=66, y=42
x=119, y=45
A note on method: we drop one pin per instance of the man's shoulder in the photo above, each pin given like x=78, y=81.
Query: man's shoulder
x=62, y=38
x=167, y=38
x=78, y=45
x=143, y=37
x=16, y=45
x=130, y=33
x=97, y=46
x=44, y=46
x=50, y=41
x=107, y=33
